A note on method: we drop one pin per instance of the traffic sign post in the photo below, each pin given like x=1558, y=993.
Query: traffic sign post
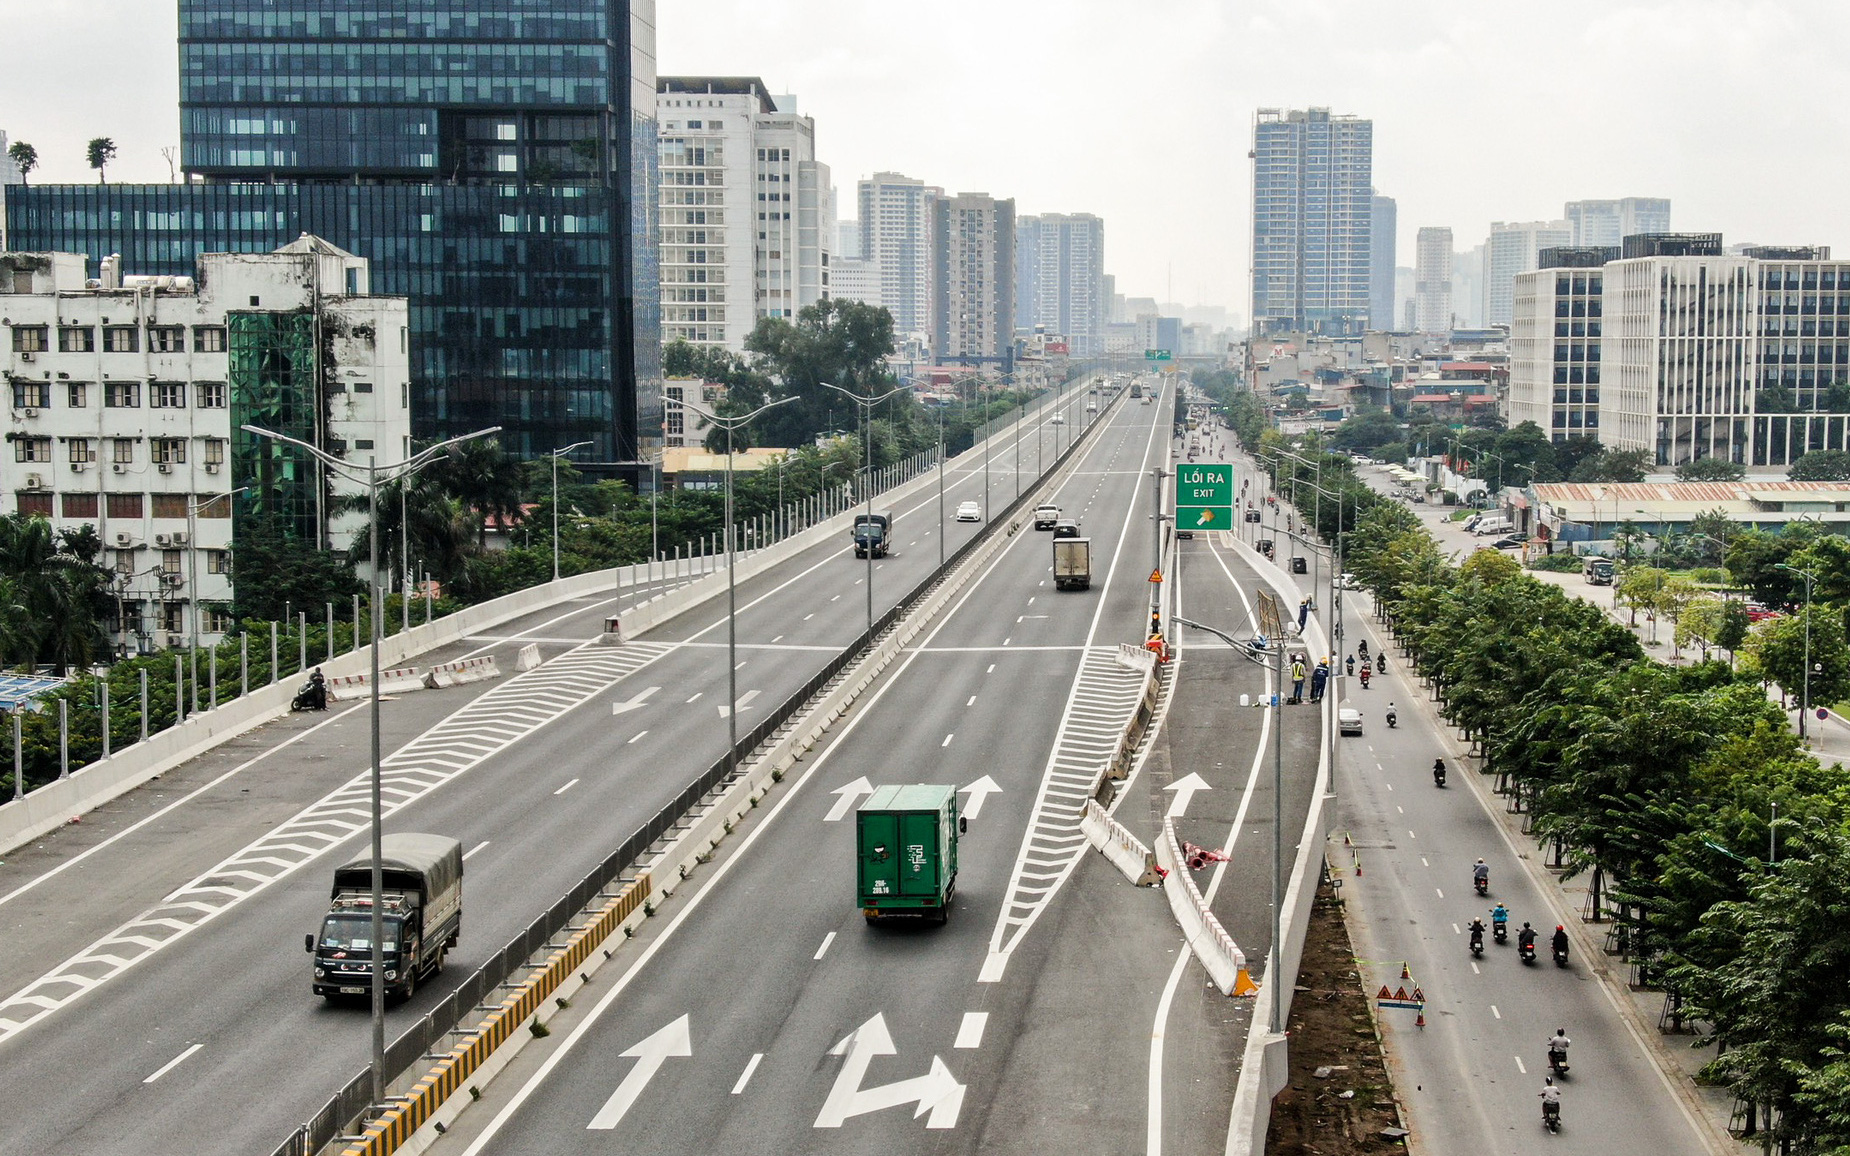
x=1204, y=496
x=1157, y=355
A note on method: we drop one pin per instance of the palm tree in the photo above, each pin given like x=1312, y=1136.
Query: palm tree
x=485, y=479
x=61, y=591
x=101, y=151
x=25, y=157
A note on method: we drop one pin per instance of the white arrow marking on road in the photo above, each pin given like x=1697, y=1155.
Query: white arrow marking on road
x=979, y=790
x=672, y=1040
x=745, y=700
x=634, y=703
x=937, y=1092
x=849, y=794
x=1185, y=788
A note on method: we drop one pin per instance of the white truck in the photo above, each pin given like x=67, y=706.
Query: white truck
x=1072, y=563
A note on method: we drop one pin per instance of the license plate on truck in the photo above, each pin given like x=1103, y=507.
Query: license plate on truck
x=353, y=991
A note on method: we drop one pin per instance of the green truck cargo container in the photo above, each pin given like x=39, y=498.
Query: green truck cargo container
x=906, y=851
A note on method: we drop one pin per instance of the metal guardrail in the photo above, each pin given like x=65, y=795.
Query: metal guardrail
x=343, y=1114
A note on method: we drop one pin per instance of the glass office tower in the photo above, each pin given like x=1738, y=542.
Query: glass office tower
x=494, y=159
x=1313, y=210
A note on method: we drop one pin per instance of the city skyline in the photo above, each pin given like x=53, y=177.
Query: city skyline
x=923, y=105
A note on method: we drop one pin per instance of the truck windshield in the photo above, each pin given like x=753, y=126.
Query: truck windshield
x=355, y=933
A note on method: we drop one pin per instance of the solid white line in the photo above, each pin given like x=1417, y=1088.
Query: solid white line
x=1153, y=1132
x=970, y=1032
x=639, y=734
x=824, y=949
x=947, y=740
x=745, y=1076
x=566, y=787
x=475, y=848
x=170, y=1065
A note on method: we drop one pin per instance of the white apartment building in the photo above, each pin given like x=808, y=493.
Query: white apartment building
x=683, y=427
x=746, y=227
x=1556, y=333
x=973, y=255
x=1060, y=278
x=127, y=396
x=1514, y=247
x=852, y=279
x=1610, y=222
x=1700, y=353
x=1432, y=274
x=896, y=222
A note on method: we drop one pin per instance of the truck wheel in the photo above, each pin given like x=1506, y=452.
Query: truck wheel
x=436, y=968
x=411, y=985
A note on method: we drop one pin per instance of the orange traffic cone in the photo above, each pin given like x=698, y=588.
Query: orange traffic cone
x=1404, y=973
x=1419, y=1021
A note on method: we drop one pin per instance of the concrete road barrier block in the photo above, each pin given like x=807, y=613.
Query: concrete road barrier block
x=1126, y=852
x=528, y=658
x=402, y=680
x=458, y=673
x=348, y=687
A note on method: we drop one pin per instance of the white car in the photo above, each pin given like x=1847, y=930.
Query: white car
x=1057, y=419
x=1348, y=581
x=969, y=512
x=1348, y=721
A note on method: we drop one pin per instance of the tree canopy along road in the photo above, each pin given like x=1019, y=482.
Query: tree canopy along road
x=762, y=1014
x=156, y=982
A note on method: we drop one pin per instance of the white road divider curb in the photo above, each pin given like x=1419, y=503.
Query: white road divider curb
x=347, y=686
x=528, y=658
x=1216, y=950
x=457, y=673
x=400, y=681
x=1126, y=852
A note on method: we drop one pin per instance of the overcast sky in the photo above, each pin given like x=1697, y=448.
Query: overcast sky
x=1142, y=112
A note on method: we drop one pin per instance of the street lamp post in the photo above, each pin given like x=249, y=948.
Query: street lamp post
x=1805, y=686
x=371, y=476
x=732, y=605
x=555, y=456
x=192, y=553
x=867, y=418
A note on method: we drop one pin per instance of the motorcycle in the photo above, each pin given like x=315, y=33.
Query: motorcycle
x=1438, y=775
x=1501, y=931
x=1482, y=884
x=1477, y=942
x=1393, y=720
x=1560, y=956
x=1526, y=951
x=1551, y=1115
x=1557, y=1062
x=1365, y=673
x=312, y=696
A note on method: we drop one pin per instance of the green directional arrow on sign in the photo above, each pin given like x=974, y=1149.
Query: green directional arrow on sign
x=1204, y=496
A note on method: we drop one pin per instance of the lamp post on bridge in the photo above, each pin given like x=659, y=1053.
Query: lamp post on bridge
x=867, y=419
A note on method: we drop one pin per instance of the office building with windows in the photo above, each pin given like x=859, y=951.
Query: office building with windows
x=1610, y=222
x=1060, y=279
x=1694, y=352
x=1432, y=280
x=746, y=225
x=1556, y=331
x=128, y=397
x=1313, y=206
x=973, y=259
x=1514, y=247
x=495, y=163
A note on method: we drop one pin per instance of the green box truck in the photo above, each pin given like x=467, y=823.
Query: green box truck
x=906, y=851
x=422, y=876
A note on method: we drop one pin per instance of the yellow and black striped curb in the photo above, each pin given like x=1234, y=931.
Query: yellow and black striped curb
x=385, y=1134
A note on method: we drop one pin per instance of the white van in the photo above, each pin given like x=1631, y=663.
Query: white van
x=1493, y=524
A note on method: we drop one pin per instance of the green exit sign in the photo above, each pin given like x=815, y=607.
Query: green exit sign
x=1157, y=355
x=1204, y=496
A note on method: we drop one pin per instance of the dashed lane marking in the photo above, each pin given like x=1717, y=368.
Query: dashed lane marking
x=484, y=726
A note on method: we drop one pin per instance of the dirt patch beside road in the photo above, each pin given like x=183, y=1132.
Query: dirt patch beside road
x=1345, y=1110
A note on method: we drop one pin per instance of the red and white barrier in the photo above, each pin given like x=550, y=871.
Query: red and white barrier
x=352, y=686
x=1111, y=840
x=457, y=673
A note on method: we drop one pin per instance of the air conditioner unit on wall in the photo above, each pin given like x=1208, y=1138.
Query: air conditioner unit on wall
x=125, y=540
x=166, y=468
x=34, y=482
x=179, y=537
x=211, y=467
x=25, y=357
x=176, y=640
x=119, y=468
x=163, y=540
x=28, y=413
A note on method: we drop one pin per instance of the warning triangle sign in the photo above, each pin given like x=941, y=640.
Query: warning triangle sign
x=1156, y=575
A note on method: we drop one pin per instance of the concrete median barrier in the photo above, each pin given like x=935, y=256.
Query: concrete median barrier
x=1207, y=939
x=458, y=673
x=1125, y=851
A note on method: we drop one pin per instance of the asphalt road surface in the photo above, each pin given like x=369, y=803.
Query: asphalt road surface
x=152, y=956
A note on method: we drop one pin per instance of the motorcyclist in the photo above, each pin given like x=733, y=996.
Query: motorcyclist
x=1480, y=875
x=1477, y=934
x=1499, y=920
x=1438, y=772
x=1560, y=941
x=1392, y=717
x=1551, y=1098
x=1557, y=1048
x=1361, y=650
x=1525, y=938
x=1381, y=660
x=1366, y=672
x=1349, y=664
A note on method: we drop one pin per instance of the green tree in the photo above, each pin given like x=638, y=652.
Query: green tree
x=1700, y=623
x=840, y=342
x=1638, y=587
x=1367, y=431
x=1613, y=466
x=274, y=577
x=54, y=576
x=1777, y=648
x=1711, y=470
x=101, y=152
x=1734, y=627
x=25, y=158
x=484, y=478
x=1754, y=558
x=1821, y=466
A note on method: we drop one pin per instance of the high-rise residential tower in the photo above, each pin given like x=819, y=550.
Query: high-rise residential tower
x=1382, y=223
x=1065, y=286
x=1312, y=209
x=1610, y=222
x=973, y=260
x=1513, y=247
x=746, y=226
x=895, y=214
x=494, y=163
x=1432, y=274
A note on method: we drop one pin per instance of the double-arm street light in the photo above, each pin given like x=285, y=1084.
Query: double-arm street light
x=555, y=456
x=732, y=604
x=867, y=425
x=372, y=476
